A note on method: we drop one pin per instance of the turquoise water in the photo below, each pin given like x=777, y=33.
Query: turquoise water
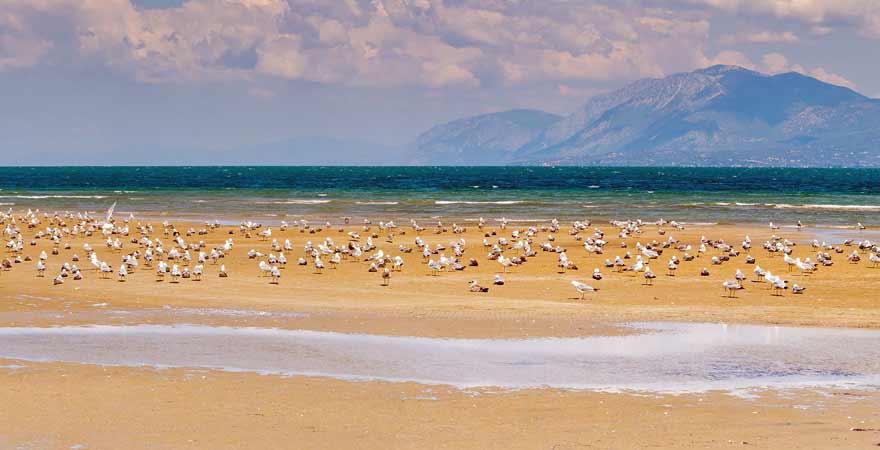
x=711, y=195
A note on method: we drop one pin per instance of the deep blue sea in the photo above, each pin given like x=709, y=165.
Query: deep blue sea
x=838, y=197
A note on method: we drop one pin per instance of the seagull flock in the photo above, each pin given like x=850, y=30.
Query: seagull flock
x=176, y=255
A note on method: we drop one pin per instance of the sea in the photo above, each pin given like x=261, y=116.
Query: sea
x=824, y=197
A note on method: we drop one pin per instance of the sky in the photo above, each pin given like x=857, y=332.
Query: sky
x=147, y=80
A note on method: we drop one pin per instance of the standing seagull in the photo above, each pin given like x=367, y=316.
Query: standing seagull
x=649, y=276
x=582, y=288
x=730, y=287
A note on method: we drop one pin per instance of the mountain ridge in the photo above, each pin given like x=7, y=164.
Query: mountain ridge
x=719, y=115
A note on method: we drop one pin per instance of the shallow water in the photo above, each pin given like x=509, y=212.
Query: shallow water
x=668, y=357
x=840, y=235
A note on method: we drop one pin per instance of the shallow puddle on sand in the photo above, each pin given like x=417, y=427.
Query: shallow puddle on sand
x=664, y=357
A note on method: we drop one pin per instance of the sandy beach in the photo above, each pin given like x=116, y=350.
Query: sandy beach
x=62, y=405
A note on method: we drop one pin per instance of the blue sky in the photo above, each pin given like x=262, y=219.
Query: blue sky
x=110, y=78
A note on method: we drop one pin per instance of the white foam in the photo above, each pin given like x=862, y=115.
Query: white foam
x=700, y=224
x=826, y=206
x=296, y=202
x=376, y=203
x=468, y=202
x=43, y=197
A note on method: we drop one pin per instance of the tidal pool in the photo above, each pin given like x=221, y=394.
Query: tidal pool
x=658, y=357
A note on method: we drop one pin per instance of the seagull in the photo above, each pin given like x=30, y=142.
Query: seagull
x=597, y=275
x=759, y=273
x=498, y=280
x=505, y=263
x=474, y=287
x=582, y=288
x=795, y=289
x=779, y=285
x=175, y=273
x=123, y=272
x=789, y=261
x=563, y=262
x=265, y=268
x=386, y=276
x=770, y=278
x=854, y=257
x=223, y=273
x=105, y=270
x=649, y=276
x=638, y=266
x=803, y=266
x=161, y=269
x=730, y=287
x=874, y=259
x=434, y=266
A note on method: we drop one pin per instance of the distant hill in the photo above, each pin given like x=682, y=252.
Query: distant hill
x=718, y=116
x=487, y=139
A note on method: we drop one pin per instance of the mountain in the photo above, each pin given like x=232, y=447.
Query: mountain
x=488, y=139
x=722, y=115
x=718, y=116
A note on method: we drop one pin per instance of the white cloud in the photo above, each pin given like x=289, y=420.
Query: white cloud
x=774, y=63
x=357, y=42
x=823, y=15
x=760, y=37
x=730, y=58
x=426, y=43
x=830, y=77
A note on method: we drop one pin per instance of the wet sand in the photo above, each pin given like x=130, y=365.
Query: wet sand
x=62, y=406
x=67, y=404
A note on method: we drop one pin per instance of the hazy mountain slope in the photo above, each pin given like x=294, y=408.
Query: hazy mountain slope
x=722, y=115
x=488, y=139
